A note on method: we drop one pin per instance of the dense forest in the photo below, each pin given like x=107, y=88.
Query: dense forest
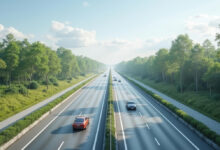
x=22, y=62
x=187, y=65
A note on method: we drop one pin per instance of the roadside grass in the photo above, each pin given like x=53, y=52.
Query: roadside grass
x=16, y=128
x=202, y=128
x=110, y=121
x=11, y=104
x=200, y=101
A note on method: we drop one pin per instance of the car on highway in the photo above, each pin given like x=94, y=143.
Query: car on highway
x=104, y=75
x=119, y=80
x=131, y=105
x=80, y=122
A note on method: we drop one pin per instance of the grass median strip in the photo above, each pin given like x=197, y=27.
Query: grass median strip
x=202, y=128
x=16, y=128
x=110, y=121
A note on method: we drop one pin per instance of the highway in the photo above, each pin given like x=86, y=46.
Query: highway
x=55, y=131
x=150, y=126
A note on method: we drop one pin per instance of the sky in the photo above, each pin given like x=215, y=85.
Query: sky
x=110, y=31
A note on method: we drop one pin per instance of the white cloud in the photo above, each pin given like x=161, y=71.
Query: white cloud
x=202, y=26
x=85, y=4
x=70, y=37
x=83, y=42
x=116, y=50
x=17, y=34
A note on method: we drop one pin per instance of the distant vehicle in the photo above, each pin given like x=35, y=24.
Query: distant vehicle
x=119, y=80
x=80, y=122
x=104, y=75
x=131, y=106
x=115, y=79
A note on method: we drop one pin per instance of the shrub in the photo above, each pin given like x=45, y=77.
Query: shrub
x=56, y=84
x=44, y=90
x=45, y=82
x=23, y=90
x=53, y=80
x=216, y=96
x=33, y=85
x=11, y=90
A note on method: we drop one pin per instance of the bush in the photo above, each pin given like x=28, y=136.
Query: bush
x=216, y=96
x=44, y=90
x=53, y=80
x=12, y=90
x=82, y=74
x=56, y=84
x=33, y=85
x=45, y=82
x=69, y=78
x=23, y=90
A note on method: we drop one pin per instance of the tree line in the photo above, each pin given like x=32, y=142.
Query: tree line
x=187, y=65
x=22, y=61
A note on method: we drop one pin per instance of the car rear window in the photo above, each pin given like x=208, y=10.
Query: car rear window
x=79, y=120
x=130, y=103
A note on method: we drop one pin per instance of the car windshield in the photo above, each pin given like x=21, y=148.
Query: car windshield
x=79, y=120
x=130, y=103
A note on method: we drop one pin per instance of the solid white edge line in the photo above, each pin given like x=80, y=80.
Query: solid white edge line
x=168, y=121
x=123, y=134
x=96, y=135
x=157, y=141
x=45, y=127
x=51, y=120
x=60, y=146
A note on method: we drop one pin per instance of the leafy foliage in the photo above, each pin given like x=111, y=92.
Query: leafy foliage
x=21, y=61
x=186, y=65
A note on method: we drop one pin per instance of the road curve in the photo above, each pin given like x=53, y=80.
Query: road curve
x=55, y=131
x=150, y=126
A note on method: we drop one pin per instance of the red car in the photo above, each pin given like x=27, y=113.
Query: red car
x=80, y=122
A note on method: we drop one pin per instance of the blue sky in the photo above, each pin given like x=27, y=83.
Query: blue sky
x=109, y=31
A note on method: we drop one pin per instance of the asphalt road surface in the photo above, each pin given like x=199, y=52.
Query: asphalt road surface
x=150, y=127
x=55, y=131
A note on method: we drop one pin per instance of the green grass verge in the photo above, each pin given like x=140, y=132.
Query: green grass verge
x=16, y=128
x=200, y=101
x=193, y=122
x=110, y=121
x=11, y=104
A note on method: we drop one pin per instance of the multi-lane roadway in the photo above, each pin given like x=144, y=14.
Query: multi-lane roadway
x=55, y=131
x=150, y=127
